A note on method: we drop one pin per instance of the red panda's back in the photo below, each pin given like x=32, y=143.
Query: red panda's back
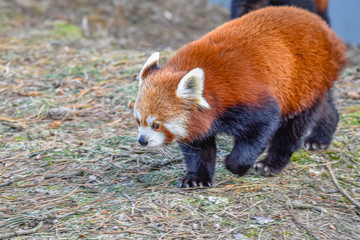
x=284, y=52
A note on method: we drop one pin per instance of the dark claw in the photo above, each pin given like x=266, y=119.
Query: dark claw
x=193, y=182
x=262, y=169
x=314, y=146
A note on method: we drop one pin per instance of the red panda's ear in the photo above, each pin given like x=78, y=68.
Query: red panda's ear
x=150, y=64
x=191, y=87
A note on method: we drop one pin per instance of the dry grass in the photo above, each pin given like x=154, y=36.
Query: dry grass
x=70, y=168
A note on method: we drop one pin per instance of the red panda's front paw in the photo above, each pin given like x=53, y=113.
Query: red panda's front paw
x=192, y=181
x=233, y=164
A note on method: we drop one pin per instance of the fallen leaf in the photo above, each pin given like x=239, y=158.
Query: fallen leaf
x=80, y=80
x=5, y=119
x=59, y=91
x=55, y=124
x=29, y=94
x=83, y=92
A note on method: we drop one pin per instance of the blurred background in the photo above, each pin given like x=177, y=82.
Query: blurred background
x=344, y=16
x=140, y=24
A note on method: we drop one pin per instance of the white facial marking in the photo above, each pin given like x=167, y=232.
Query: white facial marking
x=177, y=127
x=150, y=119
x=137, y=115
x=154, y=138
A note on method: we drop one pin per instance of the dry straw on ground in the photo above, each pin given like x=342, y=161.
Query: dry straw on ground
x=69, y=164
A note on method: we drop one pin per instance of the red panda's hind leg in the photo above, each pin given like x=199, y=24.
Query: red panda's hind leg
x=322, y=133
x=287, y=139
x=200, y=159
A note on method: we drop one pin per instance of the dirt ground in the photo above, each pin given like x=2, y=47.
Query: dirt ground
x=70, y=167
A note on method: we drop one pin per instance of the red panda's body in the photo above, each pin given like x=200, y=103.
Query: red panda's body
x=322, y=9
x=264, y=78
x=264, y=54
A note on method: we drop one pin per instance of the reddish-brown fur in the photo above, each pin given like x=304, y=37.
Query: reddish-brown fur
x=285, y=53
x=322, y=6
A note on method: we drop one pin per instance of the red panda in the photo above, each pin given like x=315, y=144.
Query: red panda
x=241, y=7
x=322, y=9
x=264, y=78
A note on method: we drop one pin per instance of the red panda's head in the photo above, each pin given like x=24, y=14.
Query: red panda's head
x=165, y=101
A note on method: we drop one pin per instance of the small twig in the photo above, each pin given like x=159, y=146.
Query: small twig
x=78, y=211
x=22, y=219
x=337, y=185
x=311, y=165
x=247, y=209
x=299, y=223
x=23, y=232
x=11, y=181
x=349, y=181
x=12, y=125
x=308, y=206
x=164, y=183
x=64, y=175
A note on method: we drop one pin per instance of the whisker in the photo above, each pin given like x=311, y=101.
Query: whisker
x=165, y=152
x=187, y=145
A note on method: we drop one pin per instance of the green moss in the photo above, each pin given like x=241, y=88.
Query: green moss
x=337, y=144
x=260, y=197
x=325, y=174
x=352, y=118
x=344, y=200
x=66, y=30
x=301, y=157
x=333, y=155
x=20, y=138
x=225, y=223
x=353, y=108
x=252, y=233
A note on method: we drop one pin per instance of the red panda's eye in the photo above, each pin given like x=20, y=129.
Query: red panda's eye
x=155, y=125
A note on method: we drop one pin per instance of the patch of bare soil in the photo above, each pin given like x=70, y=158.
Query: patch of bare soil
x=69, y=164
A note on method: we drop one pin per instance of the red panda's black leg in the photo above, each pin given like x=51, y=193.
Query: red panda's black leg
x=252, y=128
x=200, y=159
x=322, y=133
x=243, y=156
x=241, y=7
x=287, y=139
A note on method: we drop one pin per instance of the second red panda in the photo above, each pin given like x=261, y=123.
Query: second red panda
x=241, y=7
x=264, y=79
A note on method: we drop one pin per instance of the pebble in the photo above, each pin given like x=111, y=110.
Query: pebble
x=353, y=95
x=61, y=113
x=45, y=134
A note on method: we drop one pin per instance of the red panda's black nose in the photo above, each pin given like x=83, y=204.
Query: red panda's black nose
x=142, y=141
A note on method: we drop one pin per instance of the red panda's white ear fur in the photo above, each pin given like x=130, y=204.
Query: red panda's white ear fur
x=152, y=62
x=191, y=87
